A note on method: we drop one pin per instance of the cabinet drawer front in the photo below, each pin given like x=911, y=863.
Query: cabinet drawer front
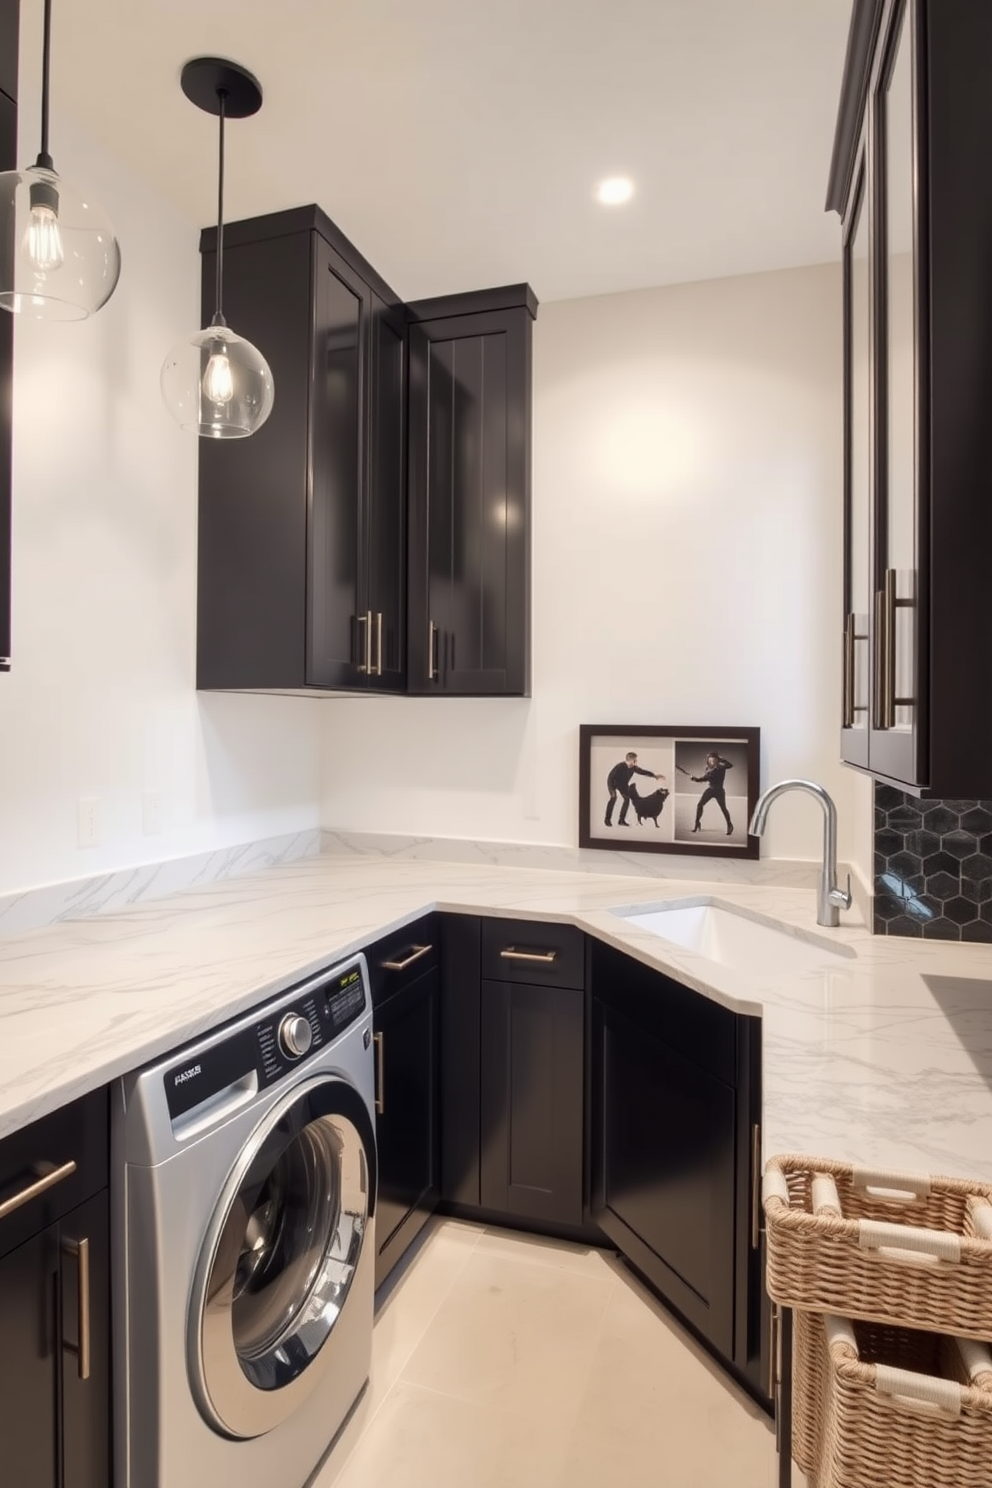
x=399, y=959
x=534, y=952
x=38, y=1183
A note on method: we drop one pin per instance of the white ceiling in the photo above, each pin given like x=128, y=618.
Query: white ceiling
x=458, y=142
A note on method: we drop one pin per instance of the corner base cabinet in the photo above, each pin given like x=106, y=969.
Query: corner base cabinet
x=675, y=1148
x=55, y=1300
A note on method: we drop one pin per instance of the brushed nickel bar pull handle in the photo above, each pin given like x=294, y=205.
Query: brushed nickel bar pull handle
x=849, y=671
x=755, y=1186
x=378, y=643
x=877, y=688
x=416, y=952
x=80, y=1249
x=363, y=666
x=42, y=1184
x=431, y=646
x=368, y=642
x=773, y=1360
x=889, y=658
x=510, y=953
x=380, y=1075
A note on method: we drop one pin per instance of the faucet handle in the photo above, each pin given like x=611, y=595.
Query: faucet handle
x=841, y=897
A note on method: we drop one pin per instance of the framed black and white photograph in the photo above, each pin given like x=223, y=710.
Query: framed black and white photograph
x=644, y=788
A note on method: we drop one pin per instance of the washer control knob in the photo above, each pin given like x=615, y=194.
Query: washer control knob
x=295, y=1036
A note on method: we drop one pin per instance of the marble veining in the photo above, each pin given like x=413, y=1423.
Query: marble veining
x=882, y=1056
x=28, y=909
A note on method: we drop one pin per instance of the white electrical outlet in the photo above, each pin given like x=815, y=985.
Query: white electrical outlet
x=88, y=821
x=152, y=812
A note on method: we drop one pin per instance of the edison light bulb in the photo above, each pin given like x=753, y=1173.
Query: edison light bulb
x=218, y=381
x=43, y=239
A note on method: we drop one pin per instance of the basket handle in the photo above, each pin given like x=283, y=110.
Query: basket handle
x=981, y=1215
x=892, y=1185
x=975, y=1357
x=908, y=1243
x=920, y=1391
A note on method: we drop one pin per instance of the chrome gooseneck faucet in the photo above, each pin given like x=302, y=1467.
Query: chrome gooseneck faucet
x=831, y=899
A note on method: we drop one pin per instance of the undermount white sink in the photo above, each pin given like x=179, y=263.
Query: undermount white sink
x=733, y=939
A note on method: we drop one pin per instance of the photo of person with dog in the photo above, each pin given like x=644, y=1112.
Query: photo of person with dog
x=630, y=783
x=620, y=781
x=709, y=803
x=652, y=789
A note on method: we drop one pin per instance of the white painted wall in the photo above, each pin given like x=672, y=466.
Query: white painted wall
x=101, y=701
x=687, y=552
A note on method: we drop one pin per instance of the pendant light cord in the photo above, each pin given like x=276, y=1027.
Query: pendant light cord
x=44, y=159
x=219, y=293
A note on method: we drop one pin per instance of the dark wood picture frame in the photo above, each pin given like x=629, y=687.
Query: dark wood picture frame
x=673, y=818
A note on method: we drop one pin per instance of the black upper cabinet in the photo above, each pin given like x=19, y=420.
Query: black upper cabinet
x=8, y=160
x=913, y=139
x=469, y=474
x=9, y=29
x=301, y=579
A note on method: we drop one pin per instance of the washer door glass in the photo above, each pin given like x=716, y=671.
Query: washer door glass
x=281, y=1257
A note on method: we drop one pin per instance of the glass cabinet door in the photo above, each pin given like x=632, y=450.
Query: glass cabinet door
x=896, y=739
x=857, y=481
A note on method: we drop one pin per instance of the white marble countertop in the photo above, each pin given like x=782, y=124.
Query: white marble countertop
x=884, y=1058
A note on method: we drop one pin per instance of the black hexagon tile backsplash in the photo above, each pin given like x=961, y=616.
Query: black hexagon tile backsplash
x=933, y=867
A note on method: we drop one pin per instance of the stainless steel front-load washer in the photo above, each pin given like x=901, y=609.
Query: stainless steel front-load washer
x=245, y=1173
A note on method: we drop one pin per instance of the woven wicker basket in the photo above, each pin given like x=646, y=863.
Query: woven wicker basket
x=890, y=1407
x=905, y=1249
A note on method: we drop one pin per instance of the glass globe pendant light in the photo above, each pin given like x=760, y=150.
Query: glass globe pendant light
x=59, y=259
x=216, y=383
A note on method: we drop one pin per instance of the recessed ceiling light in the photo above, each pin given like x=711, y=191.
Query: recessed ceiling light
x=614, y=191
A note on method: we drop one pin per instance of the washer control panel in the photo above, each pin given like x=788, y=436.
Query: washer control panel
x=266, y=1047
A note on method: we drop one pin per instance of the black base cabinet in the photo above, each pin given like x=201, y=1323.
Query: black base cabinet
x=55, y=1302
x=674, y=1149
x=406, y=997
x=512, y=1073
x=531, y=1076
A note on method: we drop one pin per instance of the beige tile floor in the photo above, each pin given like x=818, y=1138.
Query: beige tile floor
x=501, y=1360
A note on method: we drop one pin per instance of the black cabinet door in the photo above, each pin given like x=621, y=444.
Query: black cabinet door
x=385, y=511
x=29, y=1362
x=84, y=1257
x=339, y=629
x=532, y=1079
x=460, y=1050
x=251, y=593
x=407, y=1126
x=470, y=390
x=663, y=1165
x=8, y=137
x=9, y=26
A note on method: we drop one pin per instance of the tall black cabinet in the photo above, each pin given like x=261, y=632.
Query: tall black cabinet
x=469, y=473
x=910, y=155
x=9, y=16
x=302, y=546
